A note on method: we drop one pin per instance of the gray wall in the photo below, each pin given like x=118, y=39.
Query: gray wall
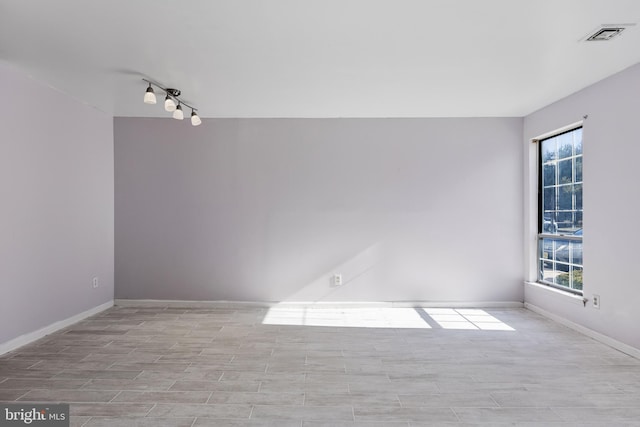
x=611, y=204
x=56, y=216
x=269, y=209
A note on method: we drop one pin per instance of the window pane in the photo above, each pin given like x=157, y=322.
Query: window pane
x=550, y=199
x=565, y=168
x=549, y=177
x=577, y=140
x=547, y=250
x=565, y=220
x=579, y=169
x=571, y=279
x=547, y=273
x=577, y=189
x=549, y=148
x=565, y=145
x=576, y=278
x=565, y=197
x=578, y=220
x=569, y=222
x=576, y=252
x=561, y=251
x=549, y=224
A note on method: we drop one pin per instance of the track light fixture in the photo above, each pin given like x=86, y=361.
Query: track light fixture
x=178, y=114
x=172, y=102
x=169, y=104
x=149, y=96
x=195, y=119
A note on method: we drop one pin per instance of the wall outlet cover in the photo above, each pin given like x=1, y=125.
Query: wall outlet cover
x=337, y=280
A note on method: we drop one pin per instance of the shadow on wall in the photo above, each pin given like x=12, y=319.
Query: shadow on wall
x=350, y=271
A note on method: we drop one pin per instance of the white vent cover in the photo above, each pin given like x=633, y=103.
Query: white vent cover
x=606, y=32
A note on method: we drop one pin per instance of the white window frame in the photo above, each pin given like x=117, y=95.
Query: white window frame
x=537, y=212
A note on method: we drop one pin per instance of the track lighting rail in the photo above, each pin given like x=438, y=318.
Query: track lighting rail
x=172, y=102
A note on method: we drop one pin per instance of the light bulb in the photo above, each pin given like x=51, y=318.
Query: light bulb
x=178, y=114
x=195, y=119
x=149, y=96
x=169, y=104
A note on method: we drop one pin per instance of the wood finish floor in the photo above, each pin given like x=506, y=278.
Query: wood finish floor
x=185, y=367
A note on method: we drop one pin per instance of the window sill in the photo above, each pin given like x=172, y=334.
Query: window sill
x=576, y=299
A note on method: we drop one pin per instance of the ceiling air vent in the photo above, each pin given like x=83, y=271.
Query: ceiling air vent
x=606, y=32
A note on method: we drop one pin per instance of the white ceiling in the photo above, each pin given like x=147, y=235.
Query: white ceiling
x=320, y=58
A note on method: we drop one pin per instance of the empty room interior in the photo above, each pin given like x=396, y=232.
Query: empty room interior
x=319, y=213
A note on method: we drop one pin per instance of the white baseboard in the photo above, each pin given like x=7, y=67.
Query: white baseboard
x=459, y=304
x=56, y=326
x=316, y=304
x=163, y=303
x=620, y=346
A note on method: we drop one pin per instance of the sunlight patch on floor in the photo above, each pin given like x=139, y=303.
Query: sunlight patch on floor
x=383, y=317
x=466, y=318
x=386, y=317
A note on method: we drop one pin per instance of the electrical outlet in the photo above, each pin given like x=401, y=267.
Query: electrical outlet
x=95, y=282
x=596, y=301
x=337, y=280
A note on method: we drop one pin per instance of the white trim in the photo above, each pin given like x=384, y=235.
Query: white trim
x=531, y=209
x=620, y=346
x=458, y=304
x=325, y=304
x=189, y=303
x=574, y=298
x=55, y=326
x=558, y=131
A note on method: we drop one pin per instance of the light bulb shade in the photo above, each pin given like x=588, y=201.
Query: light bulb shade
x=169, y=104
x=195, y=119
x=178, y=114
x=149, y=96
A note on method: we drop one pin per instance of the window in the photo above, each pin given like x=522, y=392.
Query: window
x=560, y=210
